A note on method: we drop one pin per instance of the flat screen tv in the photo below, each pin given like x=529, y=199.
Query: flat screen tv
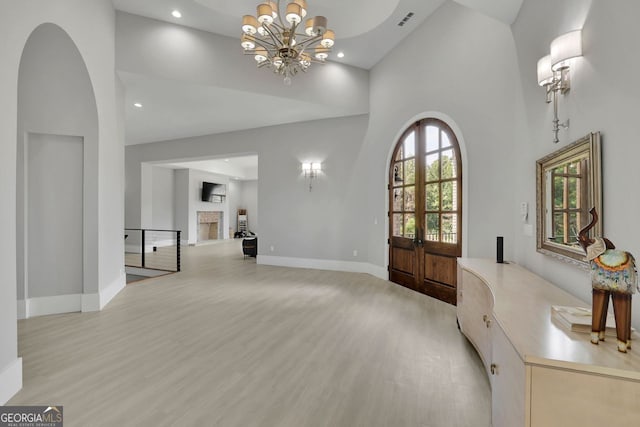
x=207, y=190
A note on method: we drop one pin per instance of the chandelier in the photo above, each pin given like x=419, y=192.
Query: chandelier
x=276, y=43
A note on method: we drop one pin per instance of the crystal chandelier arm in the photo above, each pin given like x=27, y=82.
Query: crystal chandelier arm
x=261, y=42
x=276, y=40
x=309, y=41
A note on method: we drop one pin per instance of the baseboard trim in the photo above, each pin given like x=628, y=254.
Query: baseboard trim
x=43, y=306
x=90, y=302
x=324, y=264
x=108, y=293
x=10, y=381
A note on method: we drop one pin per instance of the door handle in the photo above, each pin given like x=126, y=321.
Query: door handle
x=420, y=233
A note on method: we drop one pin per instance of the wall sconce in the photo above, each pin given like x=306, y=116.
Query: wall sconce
x=553, y=72
x=311, y=171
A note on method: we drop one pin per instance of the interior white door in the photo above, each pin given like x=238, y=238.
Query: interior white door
x=54, y=187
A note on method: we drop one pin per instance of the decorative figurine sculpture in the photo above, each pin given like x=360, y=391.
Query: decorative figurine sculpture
x=613, y=273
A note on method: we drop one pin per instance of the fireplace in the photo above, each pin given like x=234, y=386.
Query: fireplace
x=209, y=226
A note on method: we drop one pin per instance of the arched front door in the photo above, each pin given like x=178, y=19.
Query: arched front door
x=425, y=203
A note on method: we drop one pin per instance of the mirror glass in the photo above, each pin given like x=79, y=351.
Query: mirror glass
x=568, y=186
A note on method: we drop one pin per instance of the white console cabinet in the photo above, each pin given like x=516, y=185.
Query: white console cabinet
x=542, y=375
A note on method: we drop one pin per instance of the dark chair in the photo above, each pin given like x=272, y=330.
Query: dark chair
x=250, y=247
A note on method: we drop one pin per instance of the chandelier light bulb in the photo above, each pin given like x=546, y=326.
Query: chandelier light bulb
x=322, y=53
x=247, y=42
x=328, y=39
x=249, y=24
x=319, y=25
x=294, y=12
x=308, y=27
x=261, y=55
x=265, y=14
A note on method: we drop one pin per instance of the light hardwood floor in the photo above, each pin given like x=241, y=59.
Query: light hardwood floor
x=227, y=342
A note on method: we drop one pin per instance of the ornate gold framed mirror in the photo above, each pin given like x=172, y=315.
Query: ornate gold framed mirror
x=569, y=184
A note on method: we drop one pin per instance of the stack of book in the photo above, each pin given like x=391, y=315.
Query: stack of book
x=578, y=319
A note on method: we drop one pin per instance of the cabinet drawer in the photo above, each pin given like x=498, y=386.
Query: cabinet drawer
x=569, y=398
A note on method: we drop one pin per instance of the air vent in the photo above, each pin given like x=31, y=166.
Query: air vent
x=405, y=19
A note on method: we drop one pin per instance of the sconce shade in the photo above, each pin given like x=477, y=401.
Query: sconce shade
x=545, y=74
x=565, y=47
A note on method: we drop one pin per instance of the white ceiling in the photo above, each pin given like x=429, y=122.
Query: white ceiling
x=366, y=30
x=242, y=168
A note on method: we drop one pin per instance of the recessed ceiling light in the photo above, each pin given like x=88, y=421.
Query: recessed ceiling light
x=340, y=54
x=138, y=105
x=176, y=14
x=226, y=160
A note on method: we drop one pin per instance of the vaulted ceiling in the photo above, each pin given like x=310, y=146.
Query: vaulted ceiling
x=366, y=30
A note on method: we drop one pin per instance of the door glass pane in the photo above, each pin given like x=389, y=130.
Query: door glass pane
x=398, y=197
x=445, y=140
x=432, y=196
x=450, y=228
x=450, y=196
x=432, y=167
x=409, y=226
x=409, y=145
x=432, y=138
x=410, y=198
x=397, y=225
x=410, y=171
x=448, y=164
x=398, y=174
x=433, y=227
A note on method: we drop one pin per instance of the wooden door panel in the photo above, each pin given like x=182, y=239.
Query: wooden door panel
x=403, y=260
x=425, y=209
x=441, y=269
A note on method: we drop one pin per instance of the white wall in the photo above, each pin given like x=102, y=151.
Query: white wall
x=90, y=24
x=249, y=201
x=322, y=224
x=243, y=195
x=234, y=195
x=58, y=101
x=181, y=206
x=163, y=198
x=196, y=204
x=459, y=66
x=605, y=97
x=54, y=216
